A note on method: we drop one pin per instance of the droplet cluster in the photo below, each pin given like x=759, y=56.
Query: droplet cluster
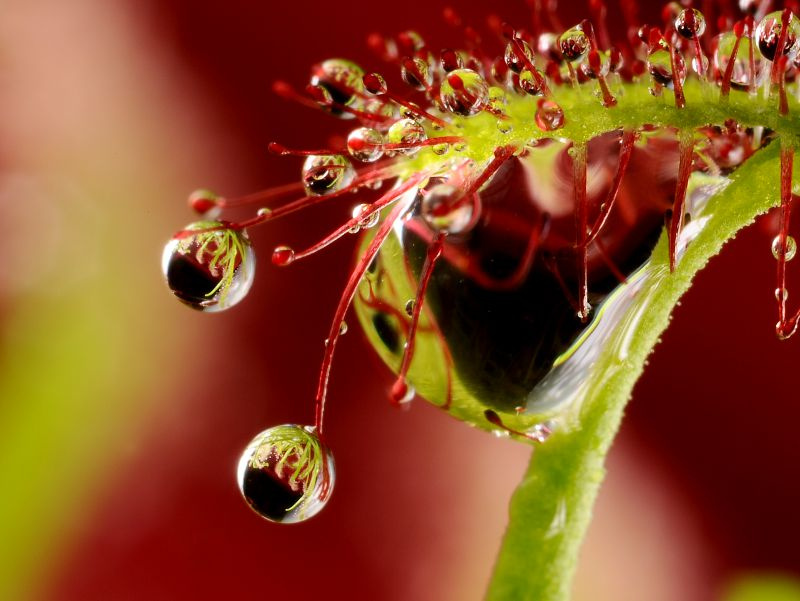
x=431, y=155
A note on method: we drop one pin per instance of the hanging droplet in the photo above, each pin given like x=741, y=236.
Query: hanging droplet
x=690, y=23
x=464, y=92
x=451, y=60
x=365, y=144
x=549, y=115
x=531, y=82
x=416, y=73
x=574, y=44
x=402, y=392
x=768, y=33
x=446, y=209
x=205, y=203
x=343, y=328
x=723, y=49
x=325, y=174
x=209, y=270
x=341, y=79
x=409, y=308
x=406, y=131
x=513, y=60
x=790, y=249
x=286, y=474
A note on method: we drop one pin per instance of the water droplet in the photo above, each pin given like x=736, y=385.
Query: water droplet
x=402, y=393
x=365, y=144
x=659, y=63
x=464, y=92
x=325, y=174
x=368, y=221
x=446, y=209
x=451, y=60
x=263, y=211
x=374, y=83
x=286, y=474
x=512, y=59
x=440, y=149
x=416, y=73
x=541, y=432
x=205, y=203
x=409, y=307
x=690, y=23
x=406, y=131
x=209, y=270
x=574, y=44
x=768, y=33
x=282, y=256
x=549, y=115
x=723, y=48
x=343, y=328
x=790, y=250
x=781, y=294
x=531, y=82
x=341, y=79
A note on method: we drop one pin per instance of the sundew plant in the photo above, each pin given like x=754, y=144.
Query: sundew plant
x=530, y=208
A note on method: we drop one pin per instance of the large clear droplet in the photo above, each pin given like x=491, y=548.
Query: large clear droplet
x=406, y=131
x=210, y=270
x=723, y=49
x=768, y=33
x=659, y=63
x=574, y=44
x=365, y=144
x=341, y=79
x=464, y=92
x=286, y=474
x=690, y=23
x=790, y=249
x=325, y=174
x=446, y=209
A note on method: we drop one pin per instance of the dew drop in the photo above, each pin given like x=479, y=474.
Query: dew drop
x=512, y=59
x=549, y=115
x=209, y=270
x=531, y=83
x=282, y=256
x=464, y=92
x=343, y=328
x=368, y=221
x=723, y=49
x=574, y=44
x=690, y=23
x=768, y=33
x=451, y=60
x=374, y=83
x=440, y=149
x=781, y=294
x=365, y=144
x=402, y=392
x=409, y=308
x=325, y=174
x=286, y=474
x=406, y=131
x=659, y=63
x=416, y=73
x=341, y=79
x=205, y=203
x=446, y=209
x=790, y=249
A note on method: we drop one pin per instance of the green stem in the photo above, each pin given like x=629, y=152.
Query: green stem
x=551, y=509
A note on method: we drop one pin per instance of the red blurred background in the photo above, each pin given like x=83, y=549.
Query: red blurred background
x=703, y=481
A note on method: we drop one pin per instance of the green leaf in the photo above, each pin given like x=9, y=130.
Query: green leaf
x=551, y=509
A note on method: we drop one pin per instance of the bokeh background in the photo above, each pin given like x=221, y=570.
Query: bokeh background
x=122, y=413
